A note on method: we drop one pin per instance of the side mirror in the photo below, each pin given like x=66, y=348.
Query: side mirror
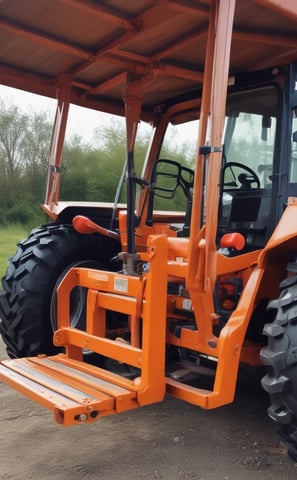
x=165, y=178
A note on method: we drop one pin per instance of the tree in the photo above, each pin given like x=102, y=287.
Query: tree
x=36, y=152
x=24, y=146
x=74, y=169
x=89, y=172
x=13, y=131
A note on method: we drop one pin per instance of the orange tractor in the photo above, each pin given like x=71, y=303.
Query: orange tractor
x=110, y=306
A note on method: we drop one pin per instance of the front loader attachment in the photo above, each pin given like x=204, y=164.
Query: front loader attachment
x=78, y=392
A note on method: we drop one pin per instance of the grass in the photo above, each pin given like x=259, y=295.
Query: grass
x=9, y=236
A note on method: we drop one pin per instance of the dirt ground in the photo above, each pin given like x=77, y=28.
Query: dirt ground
x=171, y=440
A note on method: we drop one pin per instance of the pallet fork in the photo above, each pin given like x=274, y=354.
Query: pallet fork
x=78, y=392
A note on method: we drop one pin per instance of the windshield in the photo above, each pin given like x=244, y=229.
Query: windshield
x=247, y=166
x=250, y=128
x=91, y=171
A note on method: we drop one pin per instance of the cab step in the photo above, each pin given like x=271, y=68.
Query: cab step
x=74, y=391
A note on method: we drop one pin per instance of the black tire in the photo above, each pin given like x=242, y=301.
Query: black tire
x=280, y=356
x=26, y=303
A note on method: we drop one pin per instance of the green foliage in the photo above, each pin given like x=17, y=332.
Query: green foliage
x=9, y=237
x=23, y=214
x=2, y=216
x=92, y=173
x=89, y=173
x=19, y=214
x=24, y=146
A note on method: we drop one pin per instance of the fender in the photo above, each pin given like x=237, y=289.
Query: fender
x=284, y=237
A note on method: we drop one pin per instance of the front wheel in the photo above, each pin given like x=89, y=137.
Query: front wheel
x=27, y=303
x=280, y=356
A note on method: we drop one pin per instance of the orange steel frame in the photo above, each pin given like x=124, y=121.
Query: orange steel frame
x=142, y=299
x=194, y=261
x=146, y=306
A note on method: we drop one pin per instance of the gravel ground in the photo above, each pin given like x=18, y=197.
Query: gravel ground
x=170, y=440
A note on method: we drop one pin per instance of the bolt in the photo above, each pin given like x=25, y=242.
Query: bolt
x=82, y=417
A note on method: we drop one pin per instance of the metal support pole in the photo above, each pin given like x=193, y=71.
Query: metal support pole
x=132, y=101
x=57, y=141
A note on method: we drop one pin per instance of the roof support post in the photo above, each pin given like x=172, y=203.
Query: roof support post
x=57, y=141
x=133, y=101
x=220, y=77
x=198, y=199
x=202, y=249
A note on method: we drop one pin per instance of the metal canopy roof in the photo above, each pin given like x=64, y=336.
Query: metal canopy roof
x=99, y=42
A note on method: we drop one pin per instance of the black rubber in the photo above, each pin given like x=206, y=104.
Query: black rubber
x=280, y=357
x=29, y=285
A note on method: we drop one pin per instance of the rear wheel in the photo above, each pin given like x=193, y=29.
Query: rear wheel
x=280, y=356
x=27, y=303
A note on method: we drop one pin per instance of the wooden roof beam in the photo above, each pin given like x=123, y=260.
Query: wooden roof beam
x=188, y=8
x=158, y=68
x=178, y=72
x=113, y=47
x=118, y=56
x=287, y=8
x=267, y=38
x=109, y=15
x=149, y=18
x=113, y=50
x=44, y=40
x=102, y=52
x=182, y=42
x=28, y=81
x=108, y=84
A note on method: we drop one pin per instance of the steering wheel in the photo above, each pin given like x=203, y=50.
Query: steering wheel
x=246, y=179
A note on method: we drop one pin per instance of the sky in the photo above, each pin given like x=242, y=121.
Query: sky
x=80, y=120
